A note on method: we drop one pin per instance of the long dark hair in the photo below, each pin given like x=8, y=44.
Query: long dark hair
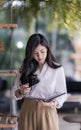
x=30, y=65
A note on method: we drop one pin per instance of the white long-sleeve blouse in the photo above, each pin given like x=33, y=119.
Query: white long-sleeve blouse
x=51, y=81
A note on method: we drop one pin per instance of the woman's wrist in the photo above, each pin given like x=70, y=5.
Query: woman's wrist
x=56, y=103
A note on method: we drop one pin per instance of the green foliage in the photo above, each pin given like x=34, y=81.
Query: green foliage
x=65, y=13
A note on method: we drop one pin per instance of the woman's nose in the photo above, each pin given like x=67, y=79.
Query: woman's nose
x=39, y=55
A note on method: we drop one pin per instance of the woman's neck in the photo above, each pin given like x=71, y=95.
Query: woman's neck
x=40, y=67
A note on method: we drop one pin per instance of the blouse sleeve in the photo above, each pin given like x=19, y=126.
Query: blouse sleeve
x=16, y=86
x=61, y=87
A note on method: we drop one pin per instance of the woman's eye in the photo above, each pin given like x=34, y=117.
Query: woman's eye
x=42, y=51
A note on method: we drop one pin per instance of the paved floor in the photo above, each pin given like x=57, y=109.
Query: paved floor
x=63, y=125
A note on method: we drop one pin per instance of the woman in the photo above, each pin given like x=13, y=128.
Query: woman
x=39, y=76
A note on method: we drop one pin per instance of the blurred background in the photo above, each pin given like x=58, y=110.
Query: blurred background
x=60, y=22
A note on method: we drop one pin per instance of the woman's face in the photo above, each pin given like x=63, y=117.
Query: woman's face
x=40, y=54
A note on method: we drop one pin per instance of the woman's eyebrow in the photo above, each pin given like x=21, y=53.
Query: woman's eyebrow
x=39, y=50
x=42, y=49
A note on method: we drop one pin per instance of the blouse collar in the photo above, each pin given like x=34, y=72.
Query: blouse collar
x=44, y=68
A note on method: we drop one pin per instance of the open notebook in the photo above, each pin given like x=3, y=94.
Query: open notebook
x=48, y=99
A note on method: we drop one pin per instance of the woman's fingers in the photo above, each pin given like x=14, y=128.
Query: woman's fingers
x=26, y=85
x=25, y=89
x=51, y=104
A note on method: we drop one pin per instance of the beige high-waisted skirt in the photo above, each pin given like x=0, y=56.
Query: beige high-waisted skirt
x=35, y=116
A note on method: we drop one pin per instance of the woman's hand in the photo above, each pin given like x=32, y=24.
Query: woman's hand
x=24, y=90
x=50, y=104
